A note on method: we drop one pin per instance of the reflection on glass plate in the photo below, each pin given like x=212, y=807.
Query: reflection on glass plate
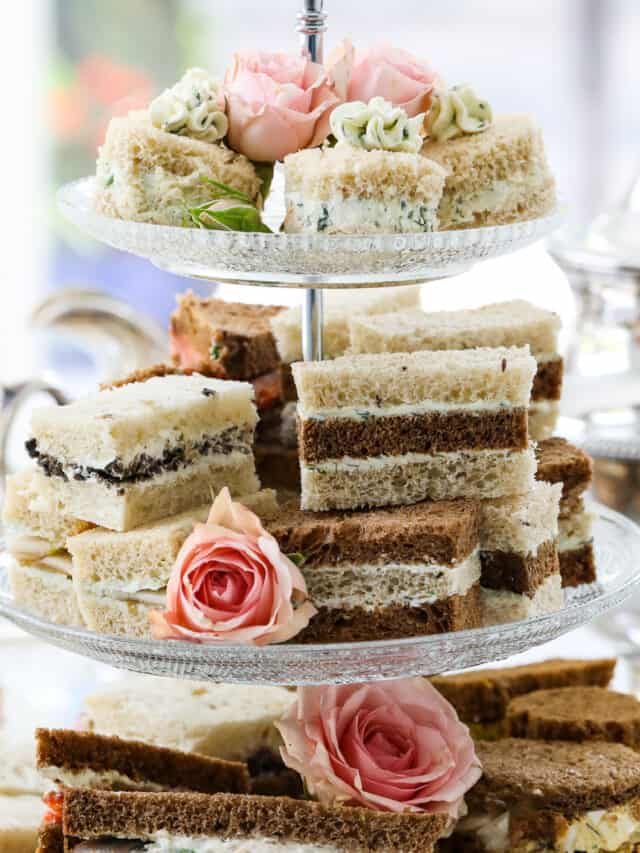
x=617, y=542
x=301, y=259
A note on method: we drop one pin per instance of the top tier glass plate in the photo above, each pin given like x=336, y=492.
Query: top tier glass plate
x=301, y=260
x=617, y=547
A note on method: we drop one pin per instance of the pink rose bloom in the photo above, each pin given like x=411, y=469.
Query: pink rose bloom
x=231, y=584
x=277, y=104
x=390, y=73
x=392, y=746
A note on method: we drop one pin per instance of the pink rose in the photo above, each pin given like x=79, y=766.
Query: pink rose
x=388, y=72
x=231, y=584
x=277, y=104
x=392, y=746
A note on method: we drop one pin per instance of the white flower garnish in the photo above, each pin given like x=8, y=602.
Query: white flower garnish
x=457, y=111
x=193, y=107
x=377, y=124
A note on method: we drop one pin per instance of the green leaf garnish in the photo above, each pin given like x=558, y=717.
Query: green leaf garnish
x=241, y=218
x=109, y=181
x=297, y=558
x=221, y=191
x=265, y=173
x=215, y=351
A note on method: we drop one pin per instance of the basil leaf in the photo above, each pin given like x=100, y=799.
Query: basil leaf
x=297, y=558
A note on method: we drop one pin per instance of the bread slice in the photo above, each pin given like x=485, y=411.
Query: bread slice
x=42, y=530
x=44, y=592
x=543, y=594
x=495, y=177
x=482, y=696
x=345, y=190
x=521, y=524
x=575, y=713
x=514, y=323
x=562, y=462
x=94, y=814
x=230, y=340
x=147, y=175
x=339, y=307
x=84, y=759
x=456, y=378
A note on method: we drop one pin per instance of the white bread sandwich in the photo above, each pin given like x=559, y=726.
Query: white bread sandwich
x=233, y=722
x=495, y=177
x=503, y=324
x=147, y=174
x=128, y=456
x=40, y=572
x=339, y=307
x=119, y=577
x=378, y=430
x=347, y=190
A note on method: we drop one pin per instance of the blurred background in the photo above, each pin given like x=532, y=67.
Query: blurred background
x=68, y=65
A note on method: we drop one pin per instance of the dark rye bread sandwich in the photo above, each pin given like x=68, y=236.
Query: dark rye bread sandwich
x=546, y=797
x=77, y=759
x=229, y=340
x=72, y=759
x=576, y=713
x=232, y=340
x=481, y=697
x=386, y=573
x=562, y=462
x=255, y=824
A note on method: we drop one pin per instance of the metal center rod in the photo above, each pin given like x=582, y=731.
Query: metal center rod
x=312, y=25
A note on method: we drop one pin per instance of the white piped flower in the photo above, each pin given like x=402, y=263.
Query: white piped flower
x=194, y=107
x=457, y=111
x=377, y=124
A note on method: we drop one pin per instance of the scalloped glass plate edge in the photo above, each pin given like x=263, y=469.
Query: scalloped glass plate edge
x=617, y=542
x=302, y=260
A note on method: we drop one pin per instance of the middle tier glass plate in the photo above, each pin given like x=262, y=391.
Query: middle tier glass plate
x=301, y=260
x=617, y=546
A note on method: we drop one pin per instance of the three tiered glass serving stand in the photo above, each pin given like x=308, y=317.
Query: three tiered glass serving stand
x=314, y=263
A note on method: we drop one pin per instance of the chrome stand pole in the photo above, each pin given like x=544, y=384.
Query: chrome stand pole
x=312, y=25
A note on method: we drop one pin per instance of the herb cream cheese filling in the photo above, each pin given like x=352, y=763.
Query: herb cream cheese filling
x=193, y=107
x=377, y=125
x=457, y=111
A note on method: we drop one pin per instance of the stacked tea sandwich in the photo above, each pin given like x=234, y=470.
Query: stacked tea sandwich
x=116, y=461
x=398, y=429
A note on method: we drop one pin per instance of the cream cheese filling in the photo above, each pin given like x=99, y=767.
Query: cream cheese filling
x=575, y=531
x=593, y=832
x=376, y=585
x=380, y=463
x=88, y=778
x=395, y=215
x=28, y=547
x=403, y=409
x=462, y=207
x=164, y=843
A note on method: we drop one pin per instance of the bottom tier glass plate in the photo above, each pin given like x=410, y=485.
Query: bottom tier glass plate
x=617, y=546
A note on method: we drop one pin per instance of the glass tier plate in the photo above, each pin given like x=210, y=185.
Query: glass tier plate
x=617, y=542
x=301, y=260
